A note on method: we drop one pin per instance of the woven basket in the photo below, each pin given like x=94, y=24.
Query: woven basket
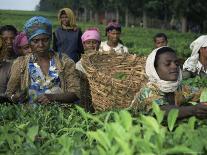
x=114, y=79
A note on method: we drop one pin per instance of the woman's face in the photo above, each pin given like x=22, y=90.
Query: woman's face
x=24, y=50
x=113, y=36
x=91, y=44
x=64, y=19
x=40, y=43
x=160, y=41
x=167, y=66
x=203, y=52
x=8, y=37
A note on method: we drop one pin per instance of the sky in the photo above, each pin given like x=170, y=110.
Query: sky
x=18, y=4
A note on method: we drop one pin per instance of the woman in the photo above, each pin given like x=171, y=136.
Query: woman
x=43, y=76
x=8, y=33
x=196, y=64
x=5, y=67
x=113, y=32
x=91, y=40
x=164, y=86
x=21, y=44
x=160, y=39
x=67, y=38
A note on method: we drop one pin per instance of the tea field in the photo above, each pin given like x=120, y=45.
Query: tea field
x=137, y=39
x=65, y=130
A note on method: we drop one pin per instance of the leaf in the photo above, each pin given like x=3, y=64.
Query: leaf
x=124, y=145
x=151, y=122
x=101, y=138
x=191, y=122
x=171, y=119
x=126, y=119
x=22, y=126
x=120, y=76
x=203, y=97
x=179, y=149
x=159, y=113
x=32, y=132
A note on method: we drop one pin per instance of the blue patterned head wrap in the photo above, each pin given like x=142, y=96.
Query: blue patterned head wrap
x=37, y=25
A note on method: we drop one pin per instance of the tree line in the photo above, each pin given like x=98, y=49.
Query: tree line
x=183, y=15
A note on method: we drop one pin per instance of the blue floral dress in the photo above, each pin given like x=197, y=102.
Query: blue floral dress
x=40, y=83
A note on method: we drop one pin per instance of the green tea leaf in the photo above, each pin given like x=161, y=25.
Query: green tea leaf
x=126, y=119
x=179, y=149
x=159, y=113
x=203, y=97
x=171, y=119
x=120, y=76
x=32, y=132
x=151, y=122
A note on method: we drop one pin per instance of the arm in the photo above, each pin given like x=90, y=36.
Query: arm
x=63, y=98
x=199, y=110
x=14, y=83
x=70, y=82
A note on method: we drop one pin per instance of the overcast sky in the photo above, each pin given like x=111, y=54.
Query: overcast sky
x=18, y=4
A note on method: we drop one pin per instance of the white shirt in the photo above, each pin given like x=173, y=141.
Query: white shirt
x=79, y=66
x=118, y=49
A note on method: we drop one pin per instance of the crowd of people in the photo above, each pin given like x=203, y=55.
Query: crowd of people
x=32, y=71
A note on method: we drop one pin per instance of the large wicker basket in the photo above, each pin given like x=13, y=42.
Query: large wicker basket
x=114, y=79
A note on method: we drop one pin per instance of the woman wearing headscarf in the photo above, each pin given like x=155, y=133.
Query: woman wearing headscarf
x=196, y=64
x=67, y=37
x=164, y=87
x=43, y=76
x=91, y=40
x=21, y=44
x=113, y=43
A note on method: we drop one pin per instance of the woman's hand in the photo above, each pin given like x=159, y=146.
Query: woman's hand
x=44, y=99
x=19, y=97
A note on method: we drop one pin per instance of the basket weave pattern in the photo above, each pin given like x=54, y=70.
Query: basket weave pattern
x=114, y=79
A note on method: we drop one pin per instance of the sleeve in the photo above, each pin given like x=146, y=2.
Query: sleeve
x=54, y=45
x=145, y=97
x=72, y=80
x=14, y=83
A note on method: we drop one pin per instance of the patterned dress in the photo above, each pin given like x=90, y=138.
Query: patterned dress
x=26, y=76
x=40, y=83
x=151, y=94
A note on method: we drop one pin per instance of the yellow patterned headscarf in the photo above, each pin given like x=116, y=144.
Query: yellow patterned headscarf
x=71, y=17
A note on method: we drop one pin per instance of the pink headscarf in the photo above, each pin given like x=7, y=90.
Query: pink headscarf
x=20, y=40
x=92, y=33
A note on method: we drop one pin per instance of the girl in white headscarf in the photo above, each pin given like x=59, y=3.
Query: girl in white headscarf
x=164, y=86
x=196, y=64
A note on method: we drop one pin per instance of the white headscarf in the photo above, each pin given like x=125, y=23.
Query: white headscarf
x=164, y=86
x=192, y=63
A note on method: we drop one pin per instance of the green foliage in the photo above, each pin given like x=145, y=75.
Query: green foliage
x=199, y=82
x=171, y=119
x=120, y=76
x=25, y=129
x=203, y=97
x=138, y=40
